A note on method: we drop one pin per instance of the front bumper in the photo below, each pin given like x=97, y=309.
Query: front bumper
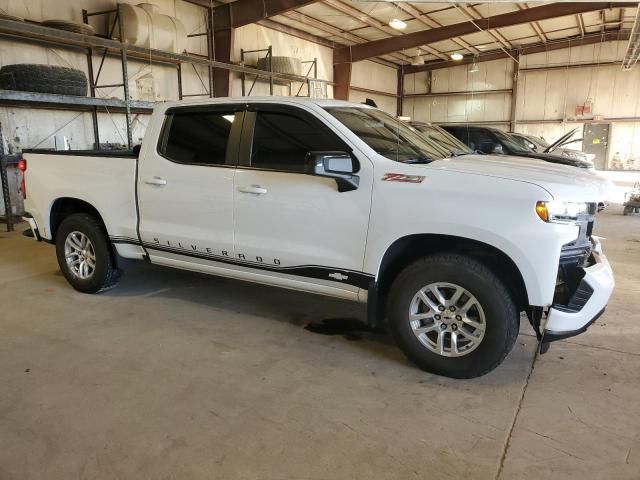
x=588, y=301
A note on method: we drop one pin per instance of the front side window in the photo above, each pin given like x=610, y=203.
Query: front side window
x=388, y=136
x=199, y=138
x=281, y=141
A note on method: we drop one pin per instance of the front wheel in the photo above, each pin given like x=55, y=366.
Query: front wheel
x=85, y=255
x=452, y=316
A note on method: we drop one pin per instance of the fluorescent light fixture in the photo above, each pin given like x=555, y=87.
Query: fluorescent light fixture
x=474, y=68
x=417, y=60
x=481, y=47
x=404, y=119
x=397, y=24
x=457, y=56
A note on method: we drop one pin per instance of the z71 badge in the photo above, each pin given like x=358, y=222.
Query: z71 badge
x=401, y=177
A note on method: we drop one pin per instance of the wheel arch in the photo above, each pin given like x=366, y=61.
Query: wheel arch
x=410, y=248
x=63, y=207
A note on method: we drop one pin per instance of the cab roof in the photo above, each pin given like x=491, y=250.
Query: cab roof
x=321, y=102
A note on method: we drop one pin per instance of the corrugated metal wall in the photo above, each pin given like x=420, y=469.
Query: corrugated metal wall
x=546, y=99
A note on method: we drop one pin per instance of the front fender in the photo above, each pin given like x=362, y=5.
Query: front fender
x=493, y=211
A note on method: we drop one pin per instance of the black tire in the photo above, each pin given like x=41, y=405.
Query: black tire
x=43, y=79
x=106, y=274
x=502, y=320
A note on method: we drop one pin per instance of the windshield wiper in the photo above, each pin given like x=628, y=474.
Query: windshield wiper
x=419, y=160
x=457, y=153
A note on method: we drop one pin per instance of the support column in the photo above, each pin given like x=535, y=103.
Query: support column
x=400, y=92
x=342, y=80
x=222, y=42
x=514, y=93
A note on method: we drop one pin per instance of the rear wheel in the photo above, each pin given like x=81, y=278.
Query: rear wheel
x=452, y=316
x=85, y=255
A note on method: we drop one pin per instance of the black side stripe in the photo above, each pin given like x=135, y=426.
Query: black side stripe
x=339, y=275
x=132, y=241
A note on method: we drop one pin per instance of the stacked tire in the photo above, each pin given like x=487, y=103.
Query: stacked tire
x=43, y=79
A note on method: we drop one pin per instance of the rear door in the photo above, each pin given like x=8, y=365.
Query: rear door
x=298, y=226
x=185, y=186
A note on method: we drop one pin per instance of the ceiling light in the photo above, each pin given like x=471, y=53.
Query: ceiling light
x=397, y=24
x=457, y=56
x=474, y=68
x=417, y=60
x=481, y=47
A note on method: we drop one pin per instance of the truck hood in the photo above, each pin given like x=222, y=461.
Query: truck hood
x=561, y=181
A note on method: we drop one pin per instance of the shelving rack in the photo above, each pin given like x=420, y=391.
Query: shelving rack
x=268, y=53
x=32, y=32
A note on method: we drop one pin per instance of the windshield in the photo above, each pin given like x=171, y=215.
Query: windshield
x=512, y=145
x=525, y=140
x=444, y=138
x=388, y=136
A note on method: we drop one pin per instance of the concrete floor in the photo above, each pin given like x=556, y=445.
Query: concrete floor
x=176, y=375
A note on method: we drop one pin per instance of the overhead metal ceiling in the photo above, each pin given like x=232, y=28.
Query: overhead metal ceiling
x=344, y=23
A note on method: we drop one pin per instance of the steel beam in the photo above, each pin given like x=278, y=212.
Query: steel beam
x=514, y=93
x=245, y=12
x=411, y=40
x=455, y=94
x=58, y=102
x=223, y=46
x=400, y=92
x=342, y=81
x=524, y=50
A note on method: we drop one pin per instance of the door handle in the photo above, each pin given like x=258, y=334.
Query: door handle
x=255, y=189
x=157, y=181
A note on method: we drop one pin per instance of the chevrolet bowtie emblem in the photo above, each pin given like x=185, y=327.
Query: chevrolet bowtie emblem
x=338, y=276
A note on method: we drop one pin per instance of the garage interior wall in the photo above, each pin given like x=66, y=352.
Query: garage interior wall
x=33, y=128
x=374, y=76
x=546, y=99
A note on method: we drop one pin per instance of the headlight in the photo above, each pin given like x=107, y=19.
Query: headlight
x=564, y=212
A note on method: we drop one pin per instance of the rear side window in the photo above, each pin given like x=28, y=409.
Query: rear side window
x=281, y=141
x=199, y=138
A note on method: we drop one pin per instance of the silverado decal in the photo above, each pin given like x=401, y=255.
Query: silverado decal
x=401, y=177
x=209, y=250
x=351, y=277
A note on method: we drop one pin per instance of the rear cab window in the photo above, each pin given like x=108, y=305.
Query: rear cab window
x=201, y=137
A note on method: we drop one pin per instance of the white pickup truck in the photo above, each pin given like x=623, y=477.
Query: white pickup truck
x=339, y=199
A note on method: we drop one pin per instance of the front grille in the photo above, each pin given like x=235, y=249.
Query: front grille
x=572, y=292
x=578, y=252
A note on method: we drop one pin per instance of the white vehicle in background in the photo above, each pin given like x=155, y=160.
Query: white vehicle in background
x=338, y=199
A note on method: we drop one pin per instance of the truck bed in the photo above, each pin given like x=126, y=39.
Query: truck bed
x=105, y=179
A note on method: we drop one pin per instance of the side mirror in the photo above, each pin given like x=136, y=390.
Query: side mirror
x=340, y=166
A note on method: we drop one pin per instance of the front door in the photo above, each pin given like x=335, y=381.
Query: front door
x=298, y=226
x=185, y=187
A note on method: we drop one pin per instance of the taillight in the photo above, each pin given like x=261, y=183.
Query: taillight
x=22, y=166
